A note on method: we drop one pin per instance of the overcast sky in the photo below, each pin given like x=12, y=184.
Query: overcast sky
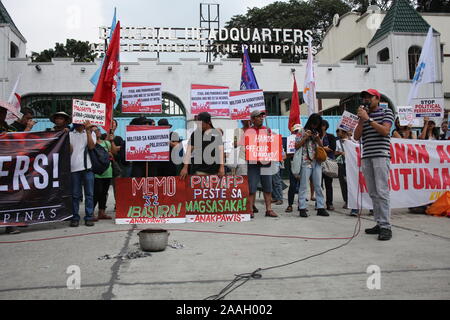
x=45, y=22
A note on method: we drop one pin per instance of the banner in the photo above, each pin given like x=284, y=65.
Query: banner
x=212, y=99
x=428, y=107
x=348, y=122
x=35, y=184
x=141, y=97
x=243, y=103
x=406, y=115
x=158, y=200
x=95, y=112
x=262, y=146
x=145, y=143
x=419, y=175
x=291, y=143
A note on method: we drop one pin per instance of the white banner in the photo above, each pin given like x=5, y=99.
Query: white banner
x=144, y=143
x=141, y=97
x=212, y=99
x=243, y=103
x=83, y=111
x=428, y=107
x=419, y=175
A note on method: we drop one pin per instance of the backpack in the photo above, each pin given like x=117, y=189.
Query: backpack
x=99, y=158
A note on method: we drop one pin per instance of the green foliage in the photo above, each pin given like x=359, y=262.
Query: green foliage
x=78, y=50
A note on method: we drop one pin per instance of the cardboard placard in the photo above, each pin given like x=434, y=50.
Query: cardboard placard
x=83, y=111
x=348, y=122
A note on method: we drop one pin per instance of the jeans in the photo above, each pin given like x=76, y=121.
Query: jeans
x=376, y=173
x=83, y=179
x=305, y=174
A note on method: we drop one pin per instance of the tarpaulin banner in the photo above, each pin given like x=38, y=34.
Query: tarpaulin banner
x=419, y=175
x=212, y=99
x=141, y=97
x=156, y=200
x=145, y=143
x=243, y=103
x=263, y=146
x=35, y=185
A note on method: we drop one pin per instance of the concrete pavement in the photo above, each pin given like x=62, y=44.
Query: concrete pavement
x=415, y=264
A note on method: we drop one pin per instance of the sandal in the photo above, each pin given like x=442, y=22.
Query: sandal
x=289, y=209
x=271, y=214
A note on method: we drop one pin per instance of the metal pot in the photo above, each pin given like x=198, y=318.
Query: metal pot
x=153, y=240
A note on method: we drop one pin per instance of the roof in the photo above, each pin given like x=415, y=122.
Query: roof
x=401, y=17
x=5, y=18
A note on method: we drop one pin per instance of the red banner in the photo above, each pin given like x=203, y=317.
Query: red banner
x=157, y=200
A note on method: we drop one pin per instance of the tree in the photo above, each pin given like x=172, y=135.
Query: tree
x=78, y=50
x=315, y=15
x=433, y=5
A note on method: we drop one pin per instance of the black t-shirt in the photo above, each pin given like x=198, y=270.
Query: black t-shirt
x=209, y=161
x=17, y=127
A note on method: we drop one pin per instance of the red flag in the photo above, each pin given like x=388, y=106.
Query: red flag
x=294, y=115
x=107, y=83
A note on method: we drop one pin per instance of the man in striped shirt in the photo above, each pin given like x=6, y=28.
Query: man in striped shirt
x=374, y=128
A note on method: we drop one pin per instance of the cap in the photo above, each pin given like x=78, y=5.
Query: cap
x=62, y=114
x=372, y=92
x=257, y=113
x=164, y=123
x=296, y=127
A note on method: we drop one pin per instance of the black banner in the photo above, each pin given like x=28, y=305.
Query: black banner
x=35, y=185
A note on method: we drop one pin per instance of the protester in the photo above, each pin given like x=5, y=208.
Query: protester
x=205, y=137
x=277, y=183
x=293, y=182
x=429, y=130
x=4, y=127
x=402, y=132
x=311, y=139
x=329, y=144
x=374, y=128
x=103, y=181
x=343, y=137
x=168, y=168
x=258, y=172
x=26, y=123
x=61, y=121
x=81, y=139
x=241, y=169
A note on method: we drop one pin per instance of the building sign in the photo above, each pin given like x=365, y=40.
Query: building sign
x=157, y=39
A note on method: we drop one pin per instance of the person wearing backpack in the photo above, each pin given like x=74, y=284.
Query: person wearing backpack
x=82, y=176
x=103, y=180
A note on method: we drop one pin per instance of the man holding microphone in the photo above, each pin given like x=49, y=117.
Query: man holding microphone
x=374, y=128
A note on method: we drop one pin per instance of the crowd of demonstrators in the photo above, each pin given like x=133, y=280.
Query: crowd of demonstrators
x=310, y=166
x=374, y=128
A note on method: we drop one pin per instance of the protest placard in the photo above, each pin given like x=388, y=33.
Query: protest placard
x=263, y=146
x=212, y=99
x=406, y=115
x=243, y=103
x=348, y=122
x=419, y=173
x=145, y=97
x=156, y=200
x=83, y=111
x=428, y=107
x=35, y=182
x=145, y=143
x=291, y=143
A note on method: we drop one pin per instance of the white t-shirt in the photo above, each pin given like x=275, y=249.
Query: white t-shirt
x=78, y=142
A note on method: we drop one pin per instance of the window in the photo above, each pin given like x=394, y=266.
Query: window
x=14, y=53
x=413, y=59
x=383, y=55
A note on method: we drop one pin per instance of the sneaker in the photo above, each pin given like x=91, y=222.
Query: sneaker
x=374, y=230
x=89, y=223
x=385, y=234
x=322, y=212
x=303, y=213
x=330, y=208
x=12, y=230
x=279, y=202
x=353, y=213
x=74, y=223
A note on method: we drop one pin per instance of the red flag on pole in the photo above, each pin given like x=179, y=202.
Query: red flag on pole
x=294, y=115
x=107, y=83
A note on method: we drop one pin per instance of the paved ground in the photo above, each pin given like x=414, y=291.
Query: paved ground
x=415, y=264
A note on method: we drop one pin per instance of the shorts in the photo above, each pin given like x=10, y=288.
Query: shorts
x=255, y=176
